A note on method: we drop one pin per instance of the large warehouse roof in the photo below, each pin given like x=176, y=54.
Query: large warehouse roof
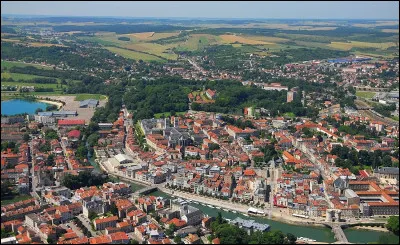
x=121, y=158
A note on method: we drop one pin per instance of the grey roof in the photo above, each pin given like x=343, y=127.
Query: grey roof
x=250, y=224
x=339, y=183
x=215, y=168
x=64, y=113
x=45, y=113
x=122, y=157
x=350, y=193
x=57, y=113
x=387, y=170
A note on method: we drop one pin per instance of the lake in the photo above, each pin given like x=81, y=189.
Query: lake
x=18, y=106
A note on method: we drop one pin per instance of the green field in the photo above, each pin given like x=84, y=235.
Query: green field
x=167, y=114
x=133, y=54
x=15, y=199
x=80, y=97
x=365, y=94
x=9, y=64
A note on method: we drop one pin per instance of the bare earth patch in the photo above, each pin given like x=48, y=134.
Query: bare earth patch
x=72, y=105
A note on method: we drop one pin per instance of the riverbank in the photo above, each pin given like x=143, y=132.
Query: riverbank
x=360, y=227
x=276, y=214
x=58, y=104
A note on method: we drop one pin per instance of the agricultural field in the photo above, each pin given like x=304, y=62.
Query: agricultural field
x=20, y=76
x=354, y=44
x=35, y=44
x=240, y=39
x=9, y=64
x=134, y=54
x=196, y=42
x=80, y=97
x=150, y=36
x=10, y=40
x=153, y=49
x=268, y=39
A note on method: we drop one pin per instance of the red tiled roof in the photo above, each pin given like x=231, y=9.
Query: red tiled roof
x=74, y=133
x=108, y=219
x=67, y=122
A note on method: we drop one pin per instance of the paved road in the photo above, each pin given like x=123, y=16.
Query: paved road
x=85, y=221
x=76, y=229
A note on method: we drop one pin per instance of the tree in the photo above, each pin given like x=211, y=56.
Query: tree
x=92, y=215
x=113, y=209
x=213, y=147
x=50, y=134
x=81, y=151
x=93, y=139
x=393, y=224
x=50, y=160
x=291, y=238
x=387, y=161
x=219, y=218
x=6, y=189
x=50, y=240
x=170, y=230
x=26, y=137
x=320, y=179
x=38, y=110
x=177, y=239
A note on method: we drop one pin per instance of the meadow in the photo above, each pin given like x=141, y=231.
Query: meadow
x=80, y=97
x=365, y=94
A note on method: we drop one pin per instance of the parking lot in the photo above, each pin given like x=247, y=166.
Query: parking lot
x=72, y=105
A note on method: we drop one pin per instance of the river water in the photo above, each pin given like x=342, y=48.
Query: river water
x=320, y=234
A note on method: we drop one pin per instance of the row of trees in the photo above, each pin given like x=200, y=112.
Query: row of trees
x=238, y=123
x=83, y=179
x=353, y=160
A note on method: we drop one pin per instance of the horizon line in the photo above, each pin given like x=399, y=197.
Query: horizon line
x=189, y=18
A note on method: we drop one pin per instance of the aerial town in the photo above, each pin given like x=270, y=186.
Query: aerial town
x=195, y=151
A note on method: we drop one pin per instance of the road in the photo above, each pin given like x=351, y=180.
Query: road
x=196, y=66
x=76, y=229
x=86, y=222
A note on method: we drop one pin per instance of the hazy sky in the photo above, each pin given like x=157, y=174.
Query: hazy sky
x=300, y=10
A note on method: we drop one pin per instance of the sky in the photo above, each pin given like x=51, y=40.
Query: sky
x=211, y=9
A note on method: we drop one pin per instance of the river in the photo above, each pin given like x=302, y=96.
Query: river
x=320, y=234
